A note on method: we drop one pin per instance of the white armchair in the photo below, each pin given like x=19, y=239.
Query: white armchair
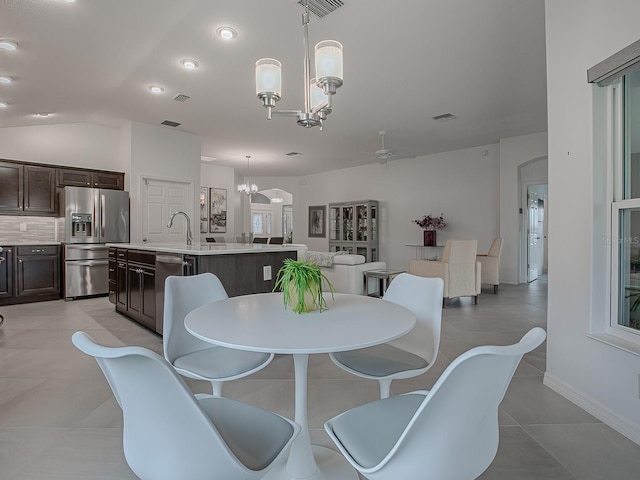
x=458, y=268
x=491, y=264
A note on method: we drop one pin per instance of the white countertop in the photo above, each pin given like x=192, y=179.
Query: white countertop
x=16, y=243
x=210, y=248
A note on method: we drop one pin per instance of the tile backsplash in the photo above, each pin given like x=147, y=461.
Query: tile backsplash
x=37, y=229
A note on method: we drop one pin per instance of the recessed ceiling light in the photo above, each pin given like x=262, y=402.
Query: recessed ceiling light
x=189, y=64
x=8, y=45
x=5, y=79
x=156, y=89
x=4, y=104
x=226, y=33
x=43, y=114
x=70, y=1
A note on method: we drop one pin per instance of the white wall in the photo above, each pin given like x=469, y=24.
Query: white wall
x=164, y=154
x=85, y=145
x=462, y=184
x=514, y=152
x=217, y=176
x=601, y=378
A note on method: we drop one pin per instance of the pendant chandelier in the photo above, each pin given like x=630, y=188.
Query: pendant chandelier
x=247, y=188
x=318, y=91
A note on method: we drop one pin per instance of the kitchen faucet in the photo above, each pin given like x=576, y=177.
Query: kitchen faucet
x=189, y=236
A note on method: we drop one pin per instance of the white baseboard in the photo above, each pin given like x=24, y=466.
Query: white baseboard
x=593, y=407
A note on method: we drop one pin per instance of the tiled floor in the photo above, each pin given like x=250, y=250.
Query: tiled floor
x=59, y=420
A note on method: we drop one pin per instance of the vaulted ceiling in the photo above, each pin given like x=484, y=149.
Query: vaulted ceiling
x=405, y=62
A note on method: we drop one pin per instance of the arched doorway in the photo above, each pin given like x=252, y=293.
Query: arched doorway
x=272, y=214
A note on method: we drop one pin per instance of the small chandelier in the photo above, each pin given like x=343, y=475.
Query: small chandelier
x=246, y=188
x=318, y=91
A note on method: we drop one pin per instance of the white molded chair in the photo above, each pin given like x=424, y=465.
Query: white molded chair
x=170, y=434
x=491, y=264
x=412, y=354
x=448, y=433
x=195, y=358
x=458, y=267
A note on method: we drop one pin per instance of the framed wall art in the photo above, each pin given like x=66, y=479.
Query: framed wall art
x=204, y=209
x=317, y=221
x=218, y=212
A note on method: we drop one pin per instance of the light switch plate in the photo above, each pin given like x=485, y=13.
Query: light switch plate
x=266, y=272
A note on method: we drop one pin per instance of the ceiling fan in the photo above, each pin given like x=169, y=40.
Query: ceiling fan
x=384, y=154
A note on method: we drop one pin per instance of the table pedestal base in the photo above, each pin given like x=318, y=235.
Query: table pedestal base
x=331, y=466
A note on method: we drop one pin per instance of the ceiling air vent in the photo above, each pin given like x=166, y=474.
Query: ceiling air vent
x=181, y=98
x=321, y=8
x=169, y=123
x=292, y=154
x=444, y=117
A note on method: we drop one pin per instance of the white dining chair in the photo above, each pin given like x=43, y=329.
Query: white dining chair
x=412, y=354
x=447, y=433
x=170, y=434
x=195, y=358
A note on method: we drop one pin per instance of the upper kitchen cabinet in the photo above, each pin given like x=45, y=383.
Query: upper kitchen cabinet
x=39, y=190
x=27, y=189
x=75, y=177
x=11, y=188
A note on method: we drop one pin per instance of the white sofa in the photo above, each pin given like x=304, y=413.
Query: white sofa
x=345, y=272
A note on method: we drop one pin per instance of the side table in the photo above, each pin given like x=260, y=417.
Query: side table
x=384, y=278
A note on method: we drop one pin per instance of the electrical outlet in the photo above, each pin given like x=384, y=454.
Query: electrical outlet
x=266, y=272
x=23, y=227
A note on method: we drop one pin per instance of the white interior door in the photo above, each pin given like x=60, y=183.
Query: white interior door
x=161, y=198
x=533, y=237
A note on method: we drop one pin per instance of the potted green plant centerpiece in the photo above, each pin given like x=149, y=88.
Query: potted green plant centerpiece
x=301, y=285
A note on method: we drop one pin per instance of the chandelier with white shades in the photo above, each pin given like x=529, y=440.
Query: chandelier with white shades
x=318, y=91
x=247, y=188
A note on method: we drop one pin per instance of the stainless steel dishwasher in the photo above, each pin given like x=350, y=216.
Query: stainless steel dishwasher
x=167, y=264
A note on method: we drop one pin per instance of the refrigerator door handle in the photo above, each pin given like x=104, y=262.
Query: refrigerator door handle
x=103, y=223
x=96, y=216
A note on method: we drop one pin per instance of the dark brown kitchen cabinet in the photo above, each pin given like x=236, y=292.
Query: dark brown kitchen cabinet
x=135, y=286
x=76, y=177
x=120, y=256
x=6, y=272
x=27, y=189
x=11, y=188
x=38, y=271
x=113, y=275
x=39, y=190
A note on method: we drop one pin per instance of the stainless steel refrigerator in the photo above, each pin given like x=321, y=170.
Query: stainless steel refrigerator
x=93, y=217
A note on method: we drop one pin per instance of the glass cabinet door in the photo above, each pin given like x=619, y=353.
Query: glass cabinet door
x=361, y=223
x=334, y=223
x=374, y=223
x=347, y=224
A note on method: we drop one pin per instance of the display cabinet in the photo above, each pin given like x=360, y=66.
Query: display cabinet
x=353, y=228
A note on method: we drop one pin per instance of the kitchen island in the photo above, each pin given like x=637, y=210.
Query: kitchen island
x=137, y=272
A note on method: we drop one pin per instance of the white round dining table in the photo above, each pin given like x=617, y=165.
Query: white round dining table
x=261, y=323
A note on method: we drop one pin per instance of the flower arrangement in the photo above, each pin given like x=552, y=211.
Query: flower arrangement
x=429, y=222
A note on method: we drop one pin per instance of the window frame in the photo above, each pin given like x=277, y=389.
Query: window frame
x=617, y=133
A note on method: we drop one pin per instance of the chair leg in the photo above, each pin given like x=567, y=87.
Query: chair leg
x=217, y=388
x=385, y=387
x=475, y=299
x=444, y=302
x=495, y=289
